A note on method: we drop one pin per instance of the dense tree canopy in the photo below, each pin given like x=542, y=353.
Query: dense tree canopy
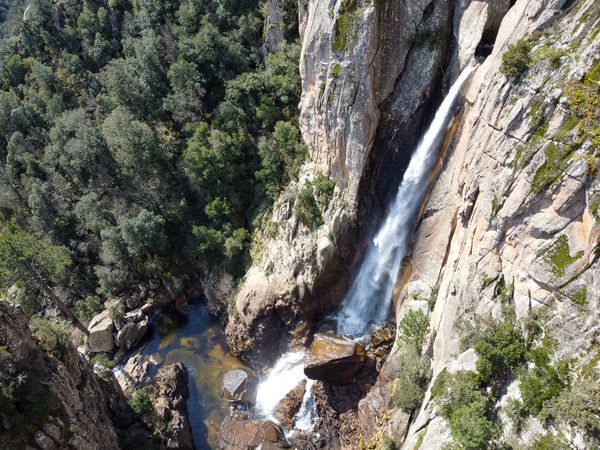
x=142, y=138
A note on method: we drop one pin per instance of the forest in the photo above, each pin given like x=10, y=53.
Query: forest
x=140, y=142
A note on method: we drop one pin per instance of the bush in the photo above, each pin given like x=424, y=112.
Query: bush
x=517, y=413
x=104, y=361
x=517, y=59
x=54, y=335
x=578, y=406
x=116, y=312
x=413, y=328
x=453, y=390
x=140, y=402
x=414, y=374
x=306, y=208
x=550, y=442
x=87, y=308
x=501, y=350
x=471, y=428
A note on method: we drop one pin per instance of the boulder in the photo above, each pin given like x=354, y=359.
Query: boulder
x=239, y=385
x=333, y=359
x=238, y=432
x=171, y=394
x=101, y=333
x=290, y=405
x=132, y=333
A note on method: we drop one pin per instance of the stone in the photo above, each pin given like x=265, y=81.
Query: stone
x=333, y=359
x=101, y=333
x=239, y=386
x=238, y=432
x=44, y=442
x=172, y=393
x=52, y=431
x=132, y=333
x=289, y=406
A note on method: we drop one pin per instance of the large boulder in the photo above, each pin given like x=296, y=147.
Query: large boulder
x=132, y=333
x=238, y=432
x=171, y=395
x=239, y=386
x=101, y=333
x=333, y=359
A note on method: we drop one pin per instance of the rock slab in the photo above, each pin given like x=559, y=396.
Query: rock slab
x=333, y=359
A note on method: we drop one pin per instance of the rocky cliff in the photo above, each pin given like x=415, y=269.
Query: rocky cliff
x=511, y=218
x=60, y=401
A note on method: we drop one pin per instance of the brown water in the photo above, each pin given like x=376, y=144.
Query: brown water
x=197, y=340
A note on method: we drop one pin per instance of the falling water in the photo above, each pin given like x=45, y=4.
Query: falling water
x=285, y=375
x=370, y=295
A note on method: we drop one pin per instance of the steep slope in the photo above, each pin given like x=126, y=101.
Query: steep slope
x=511, y=223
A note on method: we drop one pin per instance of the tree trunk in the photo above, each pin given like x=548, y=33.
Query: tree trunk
x=65, y=310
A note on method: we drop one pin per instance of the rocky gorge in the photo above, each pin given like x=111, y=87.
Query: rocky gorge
x=484, y=334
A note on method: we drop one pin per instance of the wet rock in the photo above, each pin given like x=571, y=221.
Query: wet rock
x=101, y=333
x=132, y=333
x=171, y=394
x=333, y=359
x=238, y=432
x=239, y=385
x=133, y=373
x=382, y=336
x=290, y=405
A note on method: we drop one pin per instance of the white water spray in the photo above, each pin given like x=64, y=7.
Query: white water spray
x=287, y=373
x=370, y=295
x=369, y=298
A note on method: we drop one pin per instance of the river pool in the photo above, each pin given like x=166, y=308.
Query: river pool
x=197, y=340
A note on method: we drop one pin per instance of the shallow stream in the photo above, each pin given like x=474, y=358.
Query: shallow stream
x=197, y=340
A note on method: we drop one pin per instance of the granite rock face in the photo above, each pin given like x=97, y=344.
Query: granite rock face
x=333, y=359
x=101, y=333
x=367, y=83
x=78, y=403
x=239, y=432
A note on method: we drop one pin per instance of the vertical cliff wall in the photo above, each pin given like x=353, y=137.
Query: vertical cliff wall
x=512, y=216
x=370, y=73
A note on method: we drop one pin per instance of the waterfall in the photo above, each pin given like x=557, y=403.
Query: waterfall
x=370, y=295
x=285, y=375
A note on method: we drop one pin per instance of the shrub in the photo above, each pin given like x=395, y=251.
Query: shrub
x=517, y=59
x=578, y=406
x=389, y=444
x=103, y=361
x=471, y=428
x=541, y=384
x=306, y=208
x=87, y=308
x=453, y=390
x=500, y=351
x=54, y=335
x=116, y=311
x=550, y=442
x=413, y=328
x=414, y=375
x=140, y=402
x=516, y=413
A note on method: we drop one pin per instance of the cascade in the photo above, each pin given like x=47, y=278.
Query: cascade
x=370, y=295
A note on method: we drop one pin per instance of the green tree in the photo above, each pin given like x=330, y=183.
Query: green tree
x=34, y=265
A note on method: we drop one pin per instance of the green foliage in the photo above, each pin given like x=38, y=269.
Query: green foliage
x=30, y=263
x=414, y=374
x=116, y=312
x=585, y=104
x=550, y=53
x=413, y=327
x=550, y=441
x=592, y=77
x=306, y=207
x=471, y=428
x=430, y=37
x=578, y=406
x=124, y=126
x=344, y=28
x=558, y=156
x=517, y=413
x=516, y=60
x=542, y=383
x=140, y=402
x=88, y=307
x=389, y=444
x=104, y=361
x=559, y=255
x=53, y=335
x=501, y=350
